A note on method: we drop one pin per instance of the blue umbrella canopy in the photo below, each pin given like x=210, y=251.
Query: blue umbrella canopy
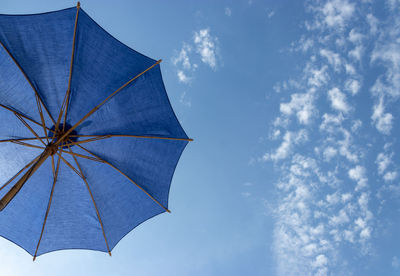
x=89, y=140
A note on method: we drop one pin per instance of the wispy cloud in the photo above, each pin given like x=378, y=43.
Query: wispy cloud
x=301, y=105
x=327, y=204
x=358, y=174
x=382, y=121
x=333, y=58
x=203, y=49
x=206, y=46
x=228, y=11
x=337, y=12
x=338, y=100
x=289, y=140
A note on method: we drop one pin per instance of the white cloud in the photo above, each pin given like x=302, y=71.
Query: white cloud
x=382, y=120
x=337, y=12
x=317, y=77
x=358, y=174
x=270, y=14
x=206, y=46
x=353, y=86
x=357, y=52
x=383, y=162
x=346, y=197
x=331, y=122
x=182, y=77
x=289, y=139
x=329, y=153
x=373, y=23
x=320, y=261
x=350, y=69
x=395, y=262
x=300, y=104
x=338, y=100
x=183, y=57
x=356, y=125
x=184, y=100
x=333, y=58
x=390, y=176
x=355, y=37
x=339, y=219
x=228, y=11
x=345, y=147
x=387, y=53
x=184, y=65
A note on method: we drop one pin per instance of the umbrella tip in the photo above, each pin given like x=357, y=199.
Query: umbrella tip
x=168, y=211
x=34, y=258
x=109, y=253
x=78, y=5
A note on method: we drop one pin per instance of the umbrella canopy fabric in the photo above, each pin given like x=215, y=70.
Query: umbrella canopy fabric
x=89, y=140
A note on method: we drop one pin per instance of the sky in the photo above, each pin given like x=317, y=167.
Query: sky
x=294, y=165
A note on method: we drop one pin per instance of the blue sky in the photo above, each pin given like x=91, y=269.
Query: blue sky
x=294, y=169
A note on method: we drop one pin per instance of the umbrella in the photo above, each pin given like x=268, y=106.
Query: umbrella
x=89, y=140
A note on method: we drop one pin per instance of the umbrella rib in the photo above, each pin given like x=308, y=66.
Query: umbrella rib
x=99, y=137
x=29, y=81
x=94, y=203
x=60, y=115
x=68, y=93
x=81, y=155
x=118, y=170
x=26, y=144
x=20, y=139
x=68, y=164
x=29, y=127
x=26, y=117
x=41, y=117
x=18, y=173
x=103, y=102
x=55, y=175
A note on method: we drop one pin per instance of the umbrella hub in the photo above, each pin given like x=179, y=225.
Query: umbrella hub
x=57, y=134
x=51, y=148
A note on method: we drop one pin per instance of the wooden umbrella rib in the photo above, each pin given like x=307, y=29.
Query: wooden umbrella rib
x=29, y=127
x=60, y=115
x=103, y=102
x=29, y=81
x=68, y=164
x=68, y=93
x=42, y=117
x=124, y=135
x=18, y=173
x=20, y=139
x=26, y=117
x=85, y=141
x=137, y=185
x=81, y=155
x=94, y=203
x=27, y=145
x=55, y=175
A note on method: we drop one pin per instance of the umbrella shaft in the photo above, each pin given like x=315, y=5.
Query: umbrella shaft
x=17, y=187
